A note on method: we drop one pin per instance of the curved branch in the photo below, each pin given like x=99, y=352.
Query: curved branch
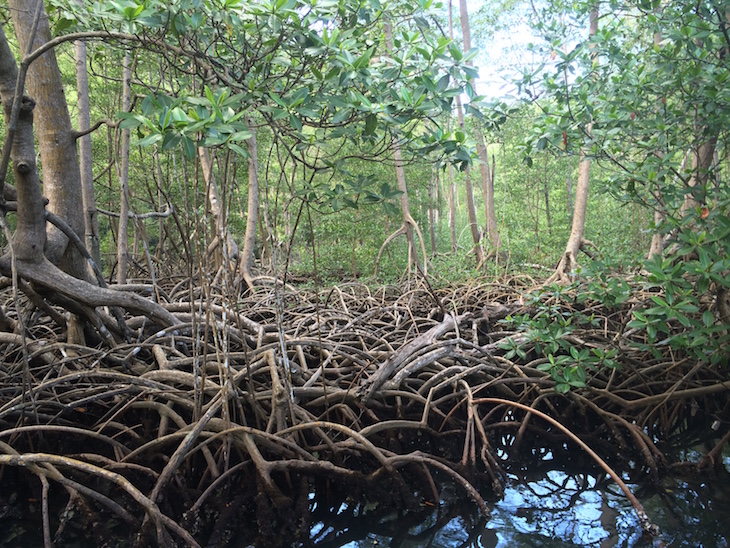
x=151, y=509
x=78, y=134
x=646, y=525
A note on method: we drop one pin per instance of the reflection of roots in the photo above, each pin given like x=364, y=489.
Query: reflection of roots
x=289, y=407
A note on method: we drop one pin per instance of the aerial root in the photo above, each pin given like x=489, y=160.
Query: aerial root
x=280, y=393
x=646, y=524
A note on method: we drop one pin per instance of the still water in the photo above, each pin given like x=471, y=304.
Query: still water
x=579, y=510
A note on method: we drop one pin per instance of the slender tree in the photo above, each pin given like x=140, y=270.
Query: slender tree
x=488, y=174
x=91, y=216
x=408, y=226
x=569, y=261
x=123, y=174
x=252, y=210
x=433, y=183
x=452, y=208
x=223, y=240
x=470, y=204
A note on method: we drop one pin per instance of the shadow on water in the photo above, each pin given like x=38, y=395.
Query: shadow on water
x=543, y=506
x=562, y=509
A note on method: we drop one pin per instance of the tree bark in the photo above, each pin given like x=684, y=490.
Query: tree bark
x=123, y=233
x=488, y=190
x=452, y=208
x=56, y=138
x=408, y=226
x=702, y=159
x=223, y=238
x=470, y=205
x=91, y=220
x=30, y=234
x=252, y=211
x=657, y=240
x=433, y=183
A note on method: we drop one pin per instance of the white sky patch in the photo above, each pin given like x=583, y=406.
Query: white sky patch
x=503, y=60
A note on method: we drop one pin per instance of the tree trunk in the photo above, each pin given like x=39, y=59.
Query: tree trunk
x=471, y=206
x=433, y=183
x=122, y=234
x=657, y=240
x=30, y=234
x=546, y=191
x=161, y=201
x=569, y=261
x=252, y=213
x=223, y=240
x=452, y=208
x=408, y=226
x=405, y=207
x=488, y=191
x=91, y=220
x=473, y=224
x=56, y=138
x=702, y=159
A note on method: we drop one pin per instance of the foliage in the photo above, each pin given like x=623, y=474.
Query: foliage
x=347, y=130
x=684, y=313
x=314, y=71
x=549, y=325
x=647, y=96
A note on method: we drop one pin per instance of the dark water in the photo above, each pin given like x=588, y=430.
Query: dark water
x=548, y=508
x=579, y=510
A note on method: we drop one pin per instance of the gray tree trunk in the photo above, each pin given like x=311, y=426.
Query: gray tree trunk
x=223, y=238
x=470, y=204
x=452, y=208
x=30, y=234
x=123, y=233
x=408, y=227
x=433, y=183
x=488, y=190
x=252, y=212
x=56, y=138
x=91, y=220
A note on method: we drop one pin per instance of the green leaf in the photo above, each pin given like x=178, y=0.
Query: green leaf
x=237, y=149
x=169, y=142
x=241, y=135
x=342, y=115
x=371, y=124
x=455, y=52
x=150, y=139
x=443, y=83
x=295, y=122
x=188, y=147
x=130, y=121
x=708, y=318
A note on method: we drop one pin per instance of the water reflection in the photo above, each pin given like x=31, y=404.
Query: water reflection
x=578, y=510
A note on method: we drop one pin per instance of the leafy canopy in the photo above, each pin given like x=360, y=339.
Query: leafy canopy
x=314, y=71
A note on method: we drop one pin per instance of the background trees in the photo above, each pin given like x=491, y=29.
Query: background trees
x=331, y=98
x=652, y=95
